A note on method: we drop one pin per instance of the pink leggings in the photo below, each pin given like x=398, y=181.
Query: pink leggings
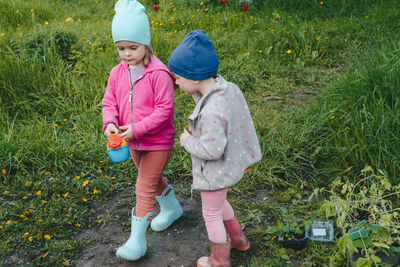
x=216, y=209
x=149, y=183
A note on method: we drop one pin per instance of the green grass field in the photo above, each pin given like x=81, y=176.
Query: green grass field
x=321, y=79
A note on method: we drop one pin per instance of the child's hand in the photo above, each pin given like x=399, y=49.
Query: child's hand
x=127, y=135
x=183, y=137
x=111, y=128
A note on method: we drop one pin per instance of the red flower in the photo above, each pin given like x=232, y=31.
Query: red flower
x=245, y=7
x=224, y=1
x=156, y=7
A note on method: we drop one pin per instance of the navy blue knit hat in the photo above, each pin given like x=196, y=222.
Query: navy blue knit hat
x=195, y=57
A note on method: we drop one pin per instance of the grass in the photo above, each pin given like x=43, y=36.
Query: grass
x=54, y=62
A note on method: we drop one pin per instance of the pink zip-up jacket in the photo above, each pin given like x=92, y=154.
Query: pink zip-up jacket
x=148, y=106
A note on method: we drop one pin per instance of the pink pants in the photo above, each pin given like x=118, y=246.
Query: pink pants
x=149, y=183
x=216, y=209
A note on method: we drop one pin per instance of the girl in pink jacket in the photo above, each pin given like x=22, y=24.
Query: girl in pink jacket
x=139, y=101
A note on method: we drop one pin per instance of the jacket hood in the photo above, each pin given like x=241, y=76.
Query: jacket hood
x=154, y=64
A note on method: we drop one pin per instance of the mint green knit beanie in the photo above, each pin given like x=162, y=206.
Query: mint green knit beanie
x=130, y=23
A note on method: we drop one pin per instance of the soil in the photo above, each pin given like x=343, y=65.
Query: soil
x=180, y=245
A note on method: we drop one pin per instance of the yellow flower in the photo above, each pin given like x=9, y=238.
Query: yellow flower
x=18, y=25
x=44, y=201
x=68, y=19
x=201, y=3
x=273, y=238
x=32, y=10
x=55, y=124
x=45, y=254
x=95, y=191
x=65, y=119
x=101, y=161
x=30, y=239
x=66, y=194
x=46, y=22
x=39, y=192
x=1, y=227
x=99, y=171
x=332, y=117
x=84, y=199
x=321, y=3
x=289, y=51
x=48, y=237
x=85, y=183
x=78, y=225
x=66, y=262
x=27, y=233
x=260, y=51
x=99, y=221
x=364, y=187
x=3, y=171
x=40, y=220
x=2, y=34
x=318, y=38
x=6, y=192
x=366, y=17
x=24, y=197
x=8, y=222
x=77, y=177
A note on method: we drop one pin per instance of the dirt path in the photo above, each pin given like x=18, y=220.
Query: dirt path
x=180, y=245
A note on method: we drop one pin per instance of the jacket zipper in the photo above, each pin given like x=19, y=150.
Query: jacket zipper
x=131, y=101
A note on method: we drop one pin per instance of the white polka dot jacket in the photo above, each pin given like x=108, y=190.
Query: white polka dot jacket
x=224, y=141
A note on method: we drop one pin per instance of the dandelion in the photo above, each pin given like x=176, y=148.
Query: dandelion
x=48, y=237
x=32, y=10
x=260, y=51
x=27, y=233
x=44, y=201
x=273, y=238
x=66, y=194
x=68, y=19
x=55, y=124
x=46, y=23
x=99, y=221
x=45, y=254
x=332, y=117
x=85, y=183
x=40, y=220
x=18, y=25
x=101, y=161
x=17, y=11
x=8, y=222
x=201, y=3
x=77, y=177
x=99, y=171
x=318, y=38
x=366, y=17
x=3, y=171
x=289, y=51
x=364, y=188
x=321, y=3
x=65, y=120
x=95, y=191
x=39, y=192
x=2, y=34
x=30, y=239
x=6, y=192
x=66, y=262
x=78, y=225
x=24, y=197
x=277, y=15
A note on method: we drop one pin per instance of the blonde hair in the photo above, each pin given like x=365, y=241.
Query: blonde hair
x=147, y=56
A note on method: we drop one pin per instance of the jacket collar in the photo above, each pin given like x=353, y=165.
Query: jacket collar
x=200, y=100
x=154, y=64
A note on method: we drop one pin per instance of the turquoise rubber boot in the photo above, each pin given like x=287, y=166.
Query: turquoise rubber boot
x=170, y=210
x=136, y=246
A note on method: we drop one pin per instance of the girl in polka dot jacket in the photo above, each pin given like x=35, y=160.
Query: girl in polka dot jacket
x=221, y=140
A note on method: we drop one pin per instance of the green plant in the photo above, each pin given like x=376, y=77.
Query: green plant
x=371, y=239
x=289, y=230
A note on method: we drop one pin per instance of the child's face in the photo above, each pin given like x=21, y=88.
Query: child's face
x=188, y=86
x=132, y=53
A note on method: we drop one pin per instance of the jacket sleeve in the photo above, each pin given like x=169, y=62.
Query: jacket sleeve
x=164, y=99
x=211, y=143
x=110, y=105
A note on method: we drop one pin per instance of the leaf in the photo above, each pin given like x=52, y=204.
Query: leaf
x=374, y=227
x=356, y=232
x=395, y=249
x=362, y=223
x=381, y=245
x=362, y=242
x=376, y=258
x=285, y=257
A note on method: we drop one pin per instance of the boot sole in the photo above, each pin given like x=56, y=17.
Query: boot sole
x=244, y=248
